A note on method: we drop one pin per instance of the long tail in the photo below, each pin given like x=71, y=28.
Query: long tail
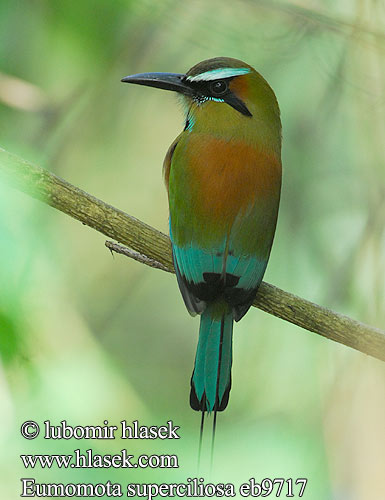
x=211, y=379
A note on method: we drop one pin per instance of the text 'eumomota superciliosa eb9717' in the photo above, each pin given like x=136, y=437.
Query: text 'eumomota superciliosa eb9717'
x=223, y=175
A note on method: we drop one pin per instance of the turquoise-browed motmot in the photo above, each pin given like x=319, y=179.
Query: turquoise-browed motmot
x=223, y=175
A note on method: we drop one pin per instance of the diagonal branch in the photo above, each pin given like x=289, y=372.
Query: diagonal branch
x=152, y=247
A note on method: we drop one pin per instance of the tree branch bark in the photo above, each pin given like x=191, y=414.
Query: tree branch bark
x=153, y=248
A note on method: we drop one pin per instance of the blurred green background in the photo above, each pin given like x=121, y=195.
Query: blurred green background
x=87, y=337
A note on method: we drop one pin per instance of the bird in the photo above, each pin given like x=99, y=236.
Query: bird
x=223, y=177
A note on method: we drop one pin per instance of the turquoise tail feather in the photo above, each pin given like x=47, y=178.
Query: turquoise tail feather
x=211, y=379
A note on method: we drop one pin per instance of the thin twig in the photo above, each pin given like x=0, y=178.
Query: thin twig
x=155, y=246
x=139, y=257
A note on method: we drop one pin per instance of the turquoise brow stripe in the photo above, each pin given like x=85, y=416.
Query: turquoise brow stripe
x=215, y=74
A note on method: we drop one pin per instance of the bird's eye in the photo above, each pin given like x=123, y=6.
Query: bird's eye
x=219, y=87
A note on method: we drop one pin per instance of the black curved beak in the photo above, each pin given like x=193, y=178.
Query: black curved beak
x=166, y=81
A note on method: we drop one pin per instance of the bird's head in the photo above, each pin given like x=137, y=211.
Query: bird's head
x=221, y=93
